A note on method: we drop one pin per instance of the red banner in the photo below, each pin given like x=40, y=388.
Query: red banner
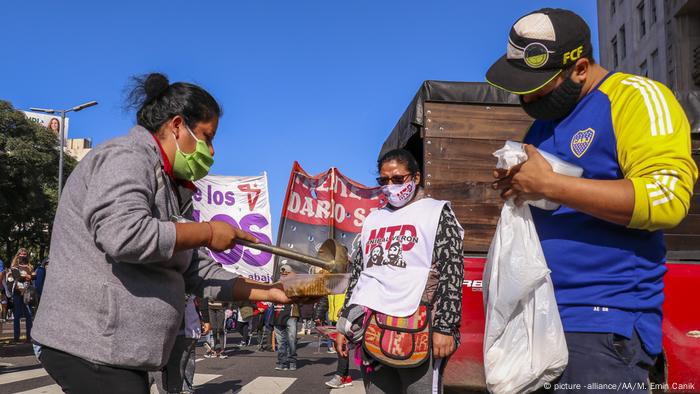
x=318, y=207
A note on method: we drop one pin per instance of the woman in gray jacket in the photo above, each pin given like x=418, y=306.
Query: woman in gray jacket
x=120, y=264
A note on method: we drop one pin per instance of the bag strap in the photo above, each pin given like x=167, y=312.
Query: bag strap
x=428, y=319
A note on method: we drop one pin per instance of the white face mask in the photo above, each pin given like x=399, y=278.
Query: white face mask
x=400, y=195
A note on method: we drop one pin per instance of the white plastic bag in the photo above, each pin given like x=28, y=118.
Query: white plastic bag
x=524, y=343
x=513, y=152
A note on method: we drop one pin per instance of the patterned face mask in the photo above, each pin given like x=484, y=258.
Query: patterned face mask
x=400, y=195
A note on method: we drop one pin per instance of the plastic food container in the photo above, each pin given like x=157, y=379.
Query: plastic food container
x=314, y=285
x=558, y=165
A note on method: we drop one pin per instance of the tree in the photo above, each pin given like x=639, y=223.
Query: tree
x=28, y=182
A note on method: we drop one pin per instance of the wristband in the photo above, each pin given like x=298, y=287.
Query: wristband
x=211, y=234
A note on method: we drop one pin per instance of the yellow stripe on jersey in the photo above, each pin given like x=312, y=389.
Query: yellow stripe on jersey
x=653, y=148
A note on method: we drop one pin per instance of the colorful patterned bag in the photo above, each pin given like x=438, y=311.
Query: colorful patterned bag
x=400, y=342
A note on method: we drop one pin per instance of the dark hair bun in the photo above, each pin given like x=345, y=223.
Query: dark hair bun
x=155, y=85
x=157, y=101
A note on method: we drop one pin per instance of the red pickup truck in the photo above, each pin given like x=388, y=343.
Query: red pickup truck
x=452, y=128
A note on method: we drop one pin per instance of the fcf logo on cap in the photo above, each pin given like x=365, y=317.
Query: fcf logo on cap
x=573, y=55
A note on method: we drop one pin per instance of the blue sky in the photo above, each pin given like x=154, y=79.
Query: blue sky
x=321, y=82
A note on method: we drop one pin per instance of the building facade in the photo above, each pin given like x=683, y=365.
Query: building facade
x=78, y=147
x=659, y=39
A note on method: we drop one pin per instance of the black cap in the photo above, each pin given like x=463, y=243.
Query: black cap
x=540, y=45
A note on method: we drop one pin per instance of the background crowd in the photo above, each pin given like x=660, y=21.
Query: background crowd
x=22, y=283
x=206, y=324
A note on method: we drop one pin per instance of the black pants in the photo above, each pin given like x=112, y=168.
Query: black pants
x=343, y=365
x=178, y=373
x=244, y=329
x=78, y=376
x=425, y=378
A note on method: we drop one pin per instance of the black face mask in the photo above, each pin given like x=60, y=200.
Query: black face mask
x=556, y=104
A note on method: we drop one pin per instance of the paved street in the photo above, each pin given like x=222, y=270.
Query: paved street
x=245, y=371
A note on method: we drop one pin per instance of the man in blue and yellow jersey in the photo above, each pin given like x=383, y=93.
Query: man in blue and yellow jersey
x=604, y=245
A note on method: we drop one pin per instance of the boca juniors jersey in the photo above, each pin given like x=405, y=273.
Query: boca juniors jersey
x=608, y=277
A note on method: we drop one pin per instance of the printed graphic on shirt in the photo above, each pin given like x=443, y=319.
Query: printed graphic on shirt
x=581, y=141
x=376, y=257
x=387, y=244
x=394, y=256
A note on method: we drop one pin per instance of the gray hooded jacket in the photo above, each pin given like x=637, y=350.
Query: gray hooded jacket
x=114, y=293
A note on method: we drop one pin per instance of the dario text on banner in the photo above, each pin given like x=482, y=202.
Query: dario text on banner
x=318, y=207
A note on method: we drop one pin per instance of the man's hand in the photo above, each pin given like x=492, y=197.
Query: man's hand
x=224, y=236
x=206, y=327
x=530, y=180
x=341, y=345
x=611, y=200
x=443, y=345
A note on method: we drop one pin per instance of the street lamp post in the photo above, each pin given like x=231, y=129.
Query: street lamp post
x=63, y=113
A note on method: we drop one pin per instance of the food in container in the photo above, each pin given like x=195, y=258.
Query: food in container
x=315, y=285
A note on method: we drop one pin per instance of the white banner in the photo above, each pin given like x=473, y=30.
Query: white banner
x=243, y=202
x=52, y=122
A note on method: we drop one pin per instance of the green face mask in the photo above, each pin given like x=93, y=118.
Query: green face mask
x=192, y=166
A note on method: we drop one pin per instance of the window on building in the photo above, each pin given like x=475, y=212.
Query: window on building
x=655, y=67
x=623, y=42
x=613, y=44
x=696, y=66
x=643, y=70
x=642, y=20
x=653, y=12
x=612, y=7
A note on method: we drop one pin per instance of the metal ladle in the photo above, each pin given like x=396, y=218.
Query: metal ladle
x=332, y=257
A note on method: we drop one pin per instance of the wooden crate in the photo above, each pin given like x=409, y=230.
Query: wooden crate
x=458, y=140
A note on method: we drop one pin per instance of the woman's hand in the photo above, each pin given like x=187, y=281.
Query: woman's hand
x=341, y=345
x=245, y=289
x=224, y=236
x=277, y=295
x=443, y=345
